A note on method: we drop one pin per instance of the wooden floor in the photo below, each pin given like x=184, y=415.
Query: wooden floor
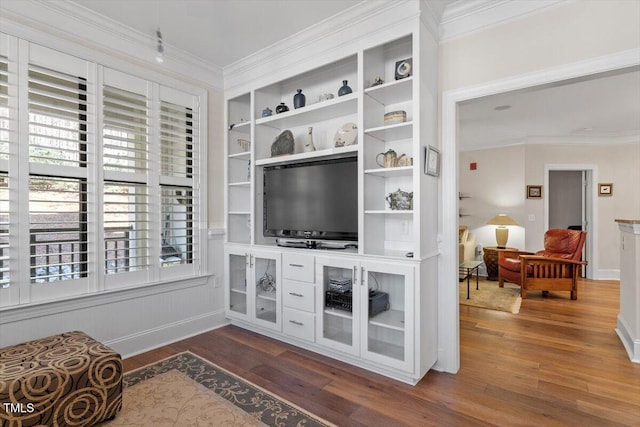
x=556, y=363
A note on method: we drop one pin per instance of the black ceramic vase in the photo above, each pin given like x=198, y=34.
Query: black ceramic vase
x=299, y=100
x=344, y=89
x=281, y=108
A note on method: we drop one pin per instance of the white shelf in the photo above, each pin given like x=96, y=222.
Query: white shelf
x=245, y=155
x=392, y=132
x=318, y=112
x=238, y=291
x=386, y=349
x=338, y=313
x=390, y=319
x=239, y=213
x=244, y=127
x=388, y=212
x=392, y=92
x=341, y=336
x=267, y=316
x=316, y=155
x=240, y=184
x=269, y=296
x=389, y=172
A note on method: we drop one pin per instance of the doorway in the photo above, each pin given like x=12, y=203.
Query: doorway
x=448, y=312
x=571, y=204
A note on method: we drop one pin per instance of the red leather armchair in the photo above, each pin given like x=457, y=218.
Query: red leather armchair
x=556, y=268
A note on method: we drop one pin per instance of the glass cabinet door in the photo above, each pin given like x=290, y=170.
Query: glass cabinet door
x=337, y=295
x=386, y=321
x=266, y=288
x=236, y=296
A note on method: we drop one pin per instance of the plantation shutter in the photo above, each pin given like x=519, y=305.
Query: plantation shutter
x=125, y=144
x=59, y=143
x=5, y=132
x=179, y=150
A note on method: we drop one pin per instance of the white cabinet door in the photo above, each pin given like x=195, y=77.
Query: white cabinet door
x=253, y=286
x=337, y=294
x=266, y=288
x=236, y=271
x=386, y=319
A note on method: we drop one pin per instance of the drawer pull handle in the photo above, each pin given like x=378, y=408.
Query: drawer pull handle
x=296, y=265
x=295, y=322
x=296, y=294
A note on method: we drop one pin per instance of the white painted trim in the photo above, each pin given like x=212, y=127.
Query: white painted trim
x=607, y=274
x=630, y=344
x=464, y=17
x=151, y=339
x=79, y=302
x=593, y=241
x=448, y=311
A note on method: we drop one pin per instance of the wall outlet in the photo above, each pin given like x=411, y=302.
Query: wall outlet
x=531, y=217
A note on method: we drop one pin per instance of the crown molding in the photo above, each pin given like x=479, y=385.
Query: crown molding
x=464, y=17
x=324, y=40
x=67, y=20
x=570, y=140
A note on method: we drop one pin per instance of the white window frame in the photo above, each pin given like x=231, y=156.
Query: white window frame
x=22, y=292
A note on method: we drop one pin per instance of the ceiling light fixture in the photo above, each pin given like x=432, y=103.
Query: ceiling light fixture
x=502, y=107
x=160, y=47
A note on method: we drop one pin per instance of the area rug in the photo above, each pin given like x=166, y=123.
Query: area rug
x=186, y=390
x=490, y=296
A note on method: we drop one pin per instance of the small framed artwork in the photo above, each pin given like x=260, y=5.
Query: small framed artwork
x=534, y=191
x=605, y=189
x=432, y=161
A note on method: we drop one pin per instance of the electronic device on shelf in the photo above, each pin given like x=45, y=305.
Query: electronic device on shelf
x=312, y=201
x=378, y=301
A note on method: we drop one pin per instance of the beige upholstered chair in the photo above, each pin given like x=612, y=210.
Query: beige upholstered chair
x=466, y=244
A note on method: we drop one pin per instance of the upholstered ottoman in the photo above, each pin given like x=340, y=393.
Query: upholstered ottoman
x=63, y=380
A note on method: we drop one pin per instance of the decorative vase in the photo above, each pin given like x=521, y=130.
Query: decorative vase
x=267, y=112
x=283, y=144
x=345, y=89
x=309, y=146
x=282, y=108
x=299, y=100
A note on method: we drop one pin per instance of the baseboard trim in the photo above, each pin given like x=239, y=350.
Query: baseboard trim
x=630, y=344
x=610, y=274
x=143, y=341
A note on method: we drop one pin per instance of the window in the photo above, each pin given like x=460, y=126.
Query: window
x=104, y=171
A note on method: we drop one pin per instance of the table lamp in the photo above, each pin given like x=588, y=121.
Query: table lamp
x=502, y=232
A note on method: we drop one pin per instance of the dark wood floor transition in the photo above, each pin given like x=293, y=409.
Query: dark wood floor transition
x=556, y=363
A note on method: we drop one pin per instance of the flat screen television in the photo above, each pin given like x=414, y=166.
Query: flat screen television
x=312, y=200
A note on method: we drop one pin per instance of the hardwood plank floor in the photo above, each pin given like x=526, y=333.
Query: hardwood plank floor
x=556, y=363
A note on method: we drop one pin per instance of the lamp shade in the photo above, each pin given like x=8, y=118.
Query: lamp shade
x=501, y=219
x=502, y=232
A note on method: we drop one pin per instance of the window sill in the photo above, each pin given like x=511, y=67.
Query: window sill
x=19, y=313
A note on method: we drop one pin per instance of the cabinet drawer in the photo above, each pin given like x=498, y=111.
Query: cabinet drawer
x=299, y=324
x=300, y=296
x=299, y=267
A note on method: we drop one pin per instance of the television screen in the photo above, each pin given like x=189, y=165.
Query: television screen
x=317, y=200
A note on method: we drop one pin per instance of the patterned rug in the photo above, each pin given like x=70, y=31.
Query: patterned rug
x=186, y=390
x=491, y=296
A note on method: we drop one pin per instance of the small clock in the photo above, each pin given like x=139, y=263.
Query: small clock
x=404, y=68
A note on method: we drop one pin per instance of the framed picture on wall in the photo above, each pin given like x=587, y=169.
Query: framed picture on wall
x=432, y=161
x=605, y=189
x=534, y=191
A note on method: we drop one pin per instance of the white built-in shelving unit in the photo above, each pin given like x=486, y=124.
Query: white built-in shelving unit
x=396, y=251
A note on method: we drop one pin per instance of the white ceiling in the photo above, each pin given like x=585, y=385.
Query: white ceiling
x=600, y=108
x=221, y=32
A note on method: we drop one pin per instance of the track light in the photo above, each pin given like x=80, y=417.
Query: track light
x=160, y=48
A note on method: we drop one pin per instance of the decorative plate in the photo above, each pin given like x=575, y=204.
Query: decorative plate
x=346, y=135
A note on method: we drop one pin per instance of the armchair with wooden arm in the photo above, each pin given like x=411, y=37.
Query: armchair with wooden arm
x=556, y=268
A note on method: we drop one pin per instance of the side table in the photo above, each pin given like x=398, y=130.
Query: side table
x=490, y=258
